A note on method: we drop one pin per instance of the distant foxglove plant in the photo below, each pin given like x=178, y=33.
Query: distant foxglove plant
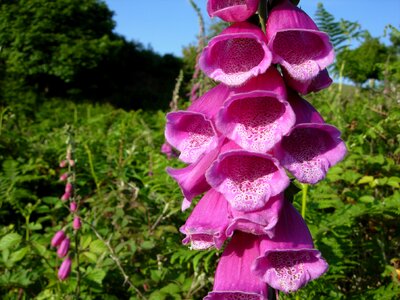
x=243, y=137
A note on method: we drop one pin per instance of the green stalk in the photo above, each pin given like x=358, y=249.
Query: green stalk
x=262, y=14
x=304, y=189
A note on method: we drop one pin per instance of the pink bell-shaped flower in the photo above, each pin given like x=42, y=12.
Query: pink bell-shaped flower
x=289, y=260
x=246, y=179
x=237, y=54
x=299, y=47
x=232, y=11
x=205, y=227
x=192, y=133
x=256, y=119
x=309, y=150
x=259, y=222
x=306, y=86
x=58, y=238
x=191, y=179
x=65, y=269
x=234, y=278
x=64, y=248
x=303, y=110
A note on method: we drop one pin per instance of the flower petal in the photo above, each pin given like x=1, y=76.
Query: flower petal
x=205, y=227
x=237, y=54
x=246, y=179
x=309, y=150
x=233, y=277
x=191, y=133
x=232, y=10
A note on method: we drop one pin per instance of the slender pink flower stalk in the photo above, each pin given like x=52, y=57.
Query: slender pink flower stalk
x=65, y=269
x=58, y=238
x=239, y=53
x=64, y=248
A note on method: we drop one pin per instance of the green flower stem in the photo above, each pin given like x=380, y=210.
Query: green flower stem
x=304, y=190
x=262, y=14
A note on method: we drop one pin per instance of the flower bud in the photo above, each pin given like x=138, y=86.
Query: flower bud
x=68, y=188
x=76, y=224
x=73, y=206
x=64, y=176
x=71, y=162
x=65, y=269
x=63, y=164
x=58, y=238
x=64, y=247
x=66, y=196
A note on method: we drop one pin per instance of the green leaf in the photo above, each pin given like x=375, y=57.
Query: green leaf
x=96, y=275
x=10, y=240
x=147, y=245
x=39, y=247
x=98, y=247
x=85, y=241
x=19, y=254
x=366, y=179
x=90, y=256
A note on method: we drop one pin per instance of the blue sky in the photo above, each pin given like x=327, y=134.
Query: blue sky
x=168, y=25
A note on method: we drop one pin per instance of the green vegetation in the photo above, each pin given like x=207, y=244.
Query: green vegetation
x=131, y=209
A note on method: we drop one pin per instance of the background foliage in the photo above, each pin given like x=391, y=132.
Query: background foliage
x=128, y=198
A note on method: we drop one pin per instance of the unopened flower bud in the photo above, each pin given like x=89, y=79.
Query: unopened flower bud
x=73, y=206
x=58, y=238
x=63, y=164
x=76, y=224
x=65, y=269
x=64, y=176
x=71, y=162
x=68, y=188
x=66, y=196
x=64, y=247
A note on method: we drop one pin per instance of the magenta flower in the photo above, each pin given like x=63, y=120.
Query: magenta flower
x=191, y=133
x=258, y=222
x=289, y=260
x=233, y=277
x=58, y=238
x=296, y=43
x=205, y=227
x=306, y=86
x=239, y=53
x=166, y=148
x=247, y=180
x=76, y=223
x=303, y=110
x=68, y=188
x=191, y=179
x=257, y=119
x=64, y=176
x=309, y=150
x=210, y=103
x=65, y=196
x=64, y=247
x=73, y=206
x=65, y=269
x=232, y=10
